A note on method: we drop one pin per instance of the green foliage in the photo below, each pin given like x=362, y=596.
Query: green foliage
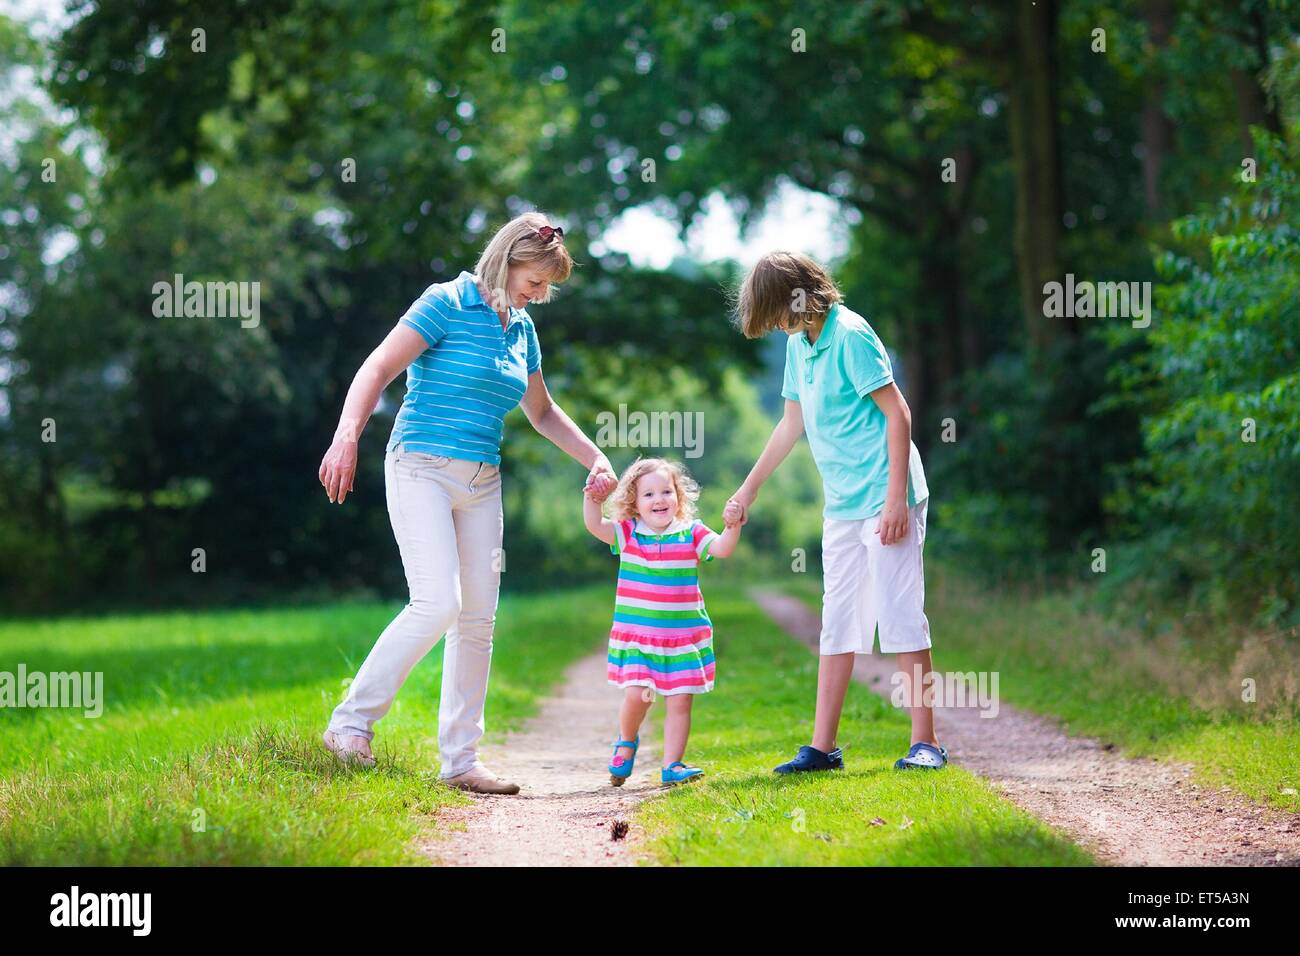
x=1019, y=488
x=147, y=406
x=544, y=526
x=1212, y=504
x=176, y=434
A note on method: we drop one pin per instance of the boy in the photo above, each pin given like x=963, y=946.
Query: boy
x=839, y=389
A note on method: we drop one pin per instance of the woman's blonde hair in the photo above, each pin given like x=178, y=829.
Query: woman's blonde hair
x=623, y=500
x=784, y=290
x=518, y=241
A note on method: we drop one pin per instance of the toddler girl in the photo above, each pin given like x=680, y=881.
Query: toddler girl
x=662, y=638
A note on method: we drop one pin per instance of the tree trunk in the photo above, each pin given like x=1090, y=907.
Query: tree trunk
x=916, y=387
x=151, y=481
x=940, y=293
x=964, y=329
x=936, y=353
x=1157, y=128
x=1252, y=104
x=1252, y=108
x=1035, y=149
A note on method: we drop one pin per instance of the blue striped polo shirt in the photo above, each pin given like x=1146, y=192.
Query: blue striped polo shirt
x=460, y=388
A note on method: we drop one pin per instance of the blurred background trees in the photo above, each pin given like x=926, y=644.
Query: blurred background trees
x=973, y=153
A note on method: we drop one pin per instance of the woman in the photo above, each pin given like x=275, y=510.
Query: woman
x=471, y=355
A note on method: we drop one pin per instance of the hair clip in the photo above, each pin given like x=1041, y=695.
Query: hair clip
x=546, y=232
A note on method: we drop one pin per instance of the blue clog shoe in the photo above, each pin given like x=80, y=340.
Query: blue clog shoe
x=923, y=755
x=810, y=758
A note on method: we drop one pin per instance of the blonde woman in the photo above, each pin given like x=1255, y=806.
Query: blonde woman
x=470, y=352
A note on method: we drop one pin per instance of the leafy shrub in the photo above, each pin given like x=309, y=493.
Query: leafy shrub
x=1212, y=497
x=1019, y=491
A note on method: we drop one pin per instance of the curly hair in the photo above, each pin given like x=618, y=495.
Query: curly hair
x=623, y=500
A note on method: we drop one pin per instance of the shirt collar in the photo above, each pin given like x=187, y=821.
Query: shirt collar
x=680, y=524
x=470, y=295
x=824, y=339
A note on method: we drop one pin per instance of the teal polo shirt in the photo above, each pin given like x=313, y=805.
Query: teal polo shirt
x=832, y=380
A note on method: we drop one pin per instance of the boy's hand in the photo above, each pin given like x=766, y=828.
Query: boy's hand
x=742, y=501
x=892, y=527
x=733, y=514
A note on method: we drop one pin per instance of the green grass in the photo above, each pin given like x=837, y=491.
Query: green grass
x=1170, y=696
x=741, y=814
x=208, y=748
x=208, y=753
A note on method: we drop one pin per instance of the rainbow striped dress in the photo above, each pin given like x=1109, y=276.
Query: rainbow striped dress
x=662, y=636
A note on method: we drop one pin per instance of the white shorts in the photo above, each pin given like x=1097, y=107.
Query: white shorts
x=868, y=583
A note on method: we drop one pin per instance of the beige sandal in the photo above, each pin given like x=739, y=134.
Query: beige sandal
x=349, y=752
x=481, y=780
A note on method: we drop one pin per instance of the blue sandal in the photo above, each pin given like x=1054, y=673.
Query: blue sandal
x=923, y=755
x=670, y=775
x=620, y=768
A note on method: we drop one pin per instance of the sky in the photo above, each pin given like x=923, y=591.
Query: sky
x=795, y=219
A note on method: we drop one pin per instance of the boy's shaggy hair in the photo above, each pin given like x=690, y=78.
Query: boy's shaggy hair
x=767, y=298
x=623, y=500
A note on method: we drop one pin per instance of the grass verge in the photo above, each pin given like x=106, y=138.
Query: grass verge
x=742, y=814
x=1165, y=695
x=208, y=752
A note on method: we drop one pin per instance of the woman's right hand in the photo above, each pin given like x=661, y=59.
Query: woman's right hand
x=402, y=346
x=338, y=468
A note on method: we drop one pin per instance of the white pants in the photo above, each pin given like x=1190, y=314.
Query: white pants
x=868, y=583
x=446, y=515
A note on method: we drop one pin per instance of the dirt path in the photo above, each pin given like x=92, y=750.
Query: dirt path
x=566, y=809
x=1126, y=812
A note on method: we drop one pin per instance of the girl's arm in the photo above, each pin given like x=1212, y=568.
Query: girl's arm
x=597, y=524
x=898, y=435
x=400, y=348
x=726, y=542
x=784, y=436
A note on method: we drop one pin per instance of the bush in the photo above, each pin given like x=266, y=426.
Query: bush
x=1020, y=489
x=1219, y=391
